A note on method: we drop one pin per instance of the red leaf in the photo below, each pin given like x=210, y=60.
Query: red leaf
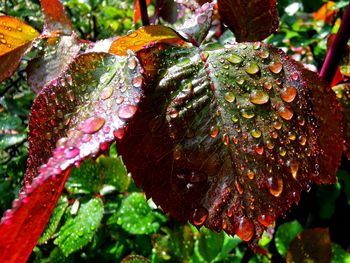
x=56, y=19
x=250, y=20
x=312, y=245
x=230, y=136
x=75, y=117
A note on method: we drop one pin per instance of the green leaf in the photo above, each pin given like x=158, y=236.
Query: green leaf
x=79, y=231
x=55, y=219
x=285, y=234
x=136, y=217
x=11, y=131
x=210, y=244
x=326, y=198
x=229, y=244
x=339, y=255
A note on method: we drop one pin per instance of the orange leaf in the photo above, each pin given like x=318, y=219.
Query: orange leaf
x=14, y=33
x=55, y=17
x=144, y=37
x=137, y=9
x=325, y=13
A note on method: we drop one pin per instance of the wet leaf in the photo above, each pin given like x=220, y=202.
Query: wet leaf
x=251, y=20
x=79, y=231
x=55, y=219
x=58, y=53
x=78, y=115
x=210, y=244
x=56, y=19
x=15, y=39
x=232, y=130
x=144, y=37
x=136, y=217
x=285, y=234
x=313, y=245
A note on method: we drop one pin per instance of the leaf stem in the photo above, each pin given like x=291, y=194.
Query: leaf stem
x=144, y=13
x=337, y=48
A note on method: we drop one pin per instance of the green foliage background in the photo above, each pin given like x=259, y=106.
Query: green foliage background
x=102, y=216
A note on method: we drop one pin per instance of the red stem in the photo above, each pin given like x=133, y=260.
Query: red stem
x=144, y=13
x=337, y=49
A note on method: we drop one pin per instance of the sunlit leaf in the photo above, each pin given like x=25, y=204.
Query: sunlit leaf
x=79, y=230
x=285, y=234
x=15, y=39
x=312, y=244
x=325, y=13
x=144, y=37
x=56, y=19
x=250, y=20
x=231, y=136
x=78, y=115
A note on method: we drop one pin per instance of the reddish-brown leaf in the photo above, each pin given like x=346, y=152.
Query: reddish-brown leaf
x=250, y=20
x=231, y=136
x=75, y=117
x=15, y=39
x=56, y=19
x=312, y=245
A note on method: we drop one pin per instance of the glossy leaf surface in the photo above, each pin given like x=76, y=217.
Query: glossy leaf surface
x=15, y=38
x=230, y=136
x=77, y=116
x=250, y=20
x=144, y=37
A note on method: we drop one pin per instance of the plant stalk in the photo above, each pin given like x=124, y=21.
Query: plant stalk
x=144, y=13
x=337, y=49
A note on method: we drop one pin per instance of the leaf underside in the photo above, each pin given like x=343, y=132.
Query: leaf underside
x=229, y=135
x=251, y=20
x=76, y=116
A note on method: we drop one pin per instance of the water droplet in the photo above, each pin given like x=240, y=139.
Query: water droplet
x=285, y=112
x=288, y=94
x=259, y=149
x=256, y=133
x=1, y=35
x=132, y=63
x=282, y=151
x=214, y=131
x=267, y=85
x=302, y=140
x=252, y=68
x=250, y=174
x=259, y=97
x=256, y=45
x=92, y=124
x=277, y=125
x=86, y=138
x=235, y=59
x=247, y=113
x=294, y=167
x=234, y=118
x=301, y=120
x=120, y=100
x=133, y=35
x=295, y=76
x=2, y=40
x=239, y=187
x=137, y=81
x=71, y=152
x=107, y=92
x=275, y=185
x=240, y=80
x=71, y=95
x=199, y=216
x=291, y=135
x=244, y=228
x=229, y=97
x=127, y=111
x=265, y=219
x=263, y=54
x=275, y=67
x=119, y=133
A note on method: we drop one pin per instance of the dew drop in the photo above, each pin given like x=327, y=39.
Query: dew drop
x=285, y=112
x=265, y=219
x=301, y=120
x=263, y=54
x=198, y=176
x=71, y=95
x=71, y=152
x=267, y=85
x=294, y=168
x=2, y=40
x=252, y=68
x=259, y=149
x=248, y=114
x=214, y=131
x=92, y=125
x=250, y=174
x=240, y=80
x=244, y=228
x=234, y=118
x=275, y=185
x=288, y=94
x=239, y=187
x=302, y=140
x=295, y=76
x=199, y=216
x=275, y=67
x=137, y=81
x=235, y=59
x=132, y=63
x=256, y=133
x=291, y=135
x=259, y=97
x=86, y=138
x=119, y=133
x=277, y=125
x=256, y=45
x=229, y=97
x=127, y=111
x=120, y=100
x=282, y=151
x=107, y=92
